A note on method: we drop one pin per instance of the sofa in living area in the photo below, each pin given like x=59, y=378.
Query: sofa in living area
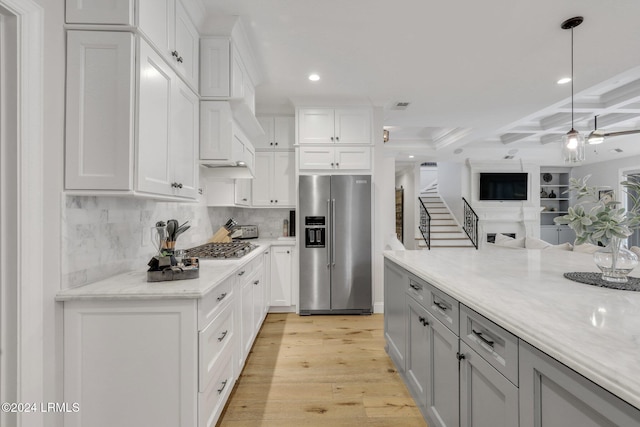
x=530, y=242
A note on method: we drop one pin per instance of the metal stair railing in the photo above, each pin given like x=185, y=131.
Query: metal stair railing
x=470, y=224
x=425, y=224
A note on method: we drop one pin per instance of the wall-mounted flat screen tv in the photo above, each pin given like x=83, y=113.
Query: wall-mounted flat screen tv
x=503, y=186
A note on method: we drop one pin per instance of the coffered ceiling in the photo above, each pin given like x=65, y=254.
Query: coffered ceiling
x=479, y=77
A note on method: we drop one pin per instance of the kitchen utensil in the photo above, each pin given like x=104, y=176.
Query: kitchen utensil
x=158, y=236
x=230, y=224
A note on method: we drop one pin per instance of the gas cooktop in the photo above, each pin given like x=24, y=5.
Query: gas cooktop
x=221, y=250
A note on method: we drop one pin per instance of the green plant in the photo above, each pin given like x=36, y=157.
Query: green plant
x=598, y=221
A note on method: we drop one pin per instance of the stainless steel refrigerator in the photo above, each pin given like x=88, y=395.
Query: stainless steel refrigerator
x=335, y=249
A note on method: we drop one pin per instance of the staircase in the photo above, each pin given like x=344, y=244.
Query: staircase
x=445, y=233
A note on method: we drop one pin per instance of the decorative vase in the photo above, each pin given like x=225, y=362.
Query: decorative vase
x=615, y=261
x=552, y=195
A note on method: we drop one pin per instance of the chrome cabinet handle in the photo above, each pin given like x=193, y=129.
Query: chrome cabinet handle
x=179, y=59
x=224, y=384
x=241, y=273
x=482, y=338
x=423, y=321
x=175, y=54
x=221, y=337
x=440, y=305
x=416, y=287
x=221, y=297
x=256, y=282
x=180, y=185
x=460, y=356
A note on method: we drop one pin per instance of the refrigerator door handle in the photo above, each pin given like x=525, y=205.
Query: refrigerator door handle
x=333, y=231
x=328, y=244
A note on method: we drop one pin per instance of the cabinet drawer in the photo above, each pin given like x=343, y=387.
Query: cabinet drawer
x=209, y=305
x=212, y=400
x=247, y=270
x=215, y=341
x=418, y=289
x=444, y=308
x=492, y=342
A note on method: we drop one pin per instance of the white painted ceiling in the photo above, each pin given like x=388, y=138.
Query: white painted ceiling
x=479, y=76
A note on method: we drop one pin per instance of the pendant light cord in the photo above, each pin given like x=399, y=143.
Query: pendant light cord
x=571, y=78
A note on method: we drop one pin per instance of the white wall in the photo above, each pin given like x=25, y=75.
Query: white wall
x=608, y=174
x=406, y=178
x=428, y=174
x=450, y=185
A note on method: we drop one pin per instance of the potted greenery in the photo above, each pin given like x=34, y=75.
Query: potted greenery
x=601, y=221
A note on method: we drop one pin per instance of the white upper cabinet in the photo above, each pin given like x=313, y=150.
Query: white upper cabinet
x=279, y=133
x=164, y=23
x=214, y=61
x=335, y=158
x=334, y=126
x=274, y=184
x=100, y=12
x=103, y=153
x=100, y=110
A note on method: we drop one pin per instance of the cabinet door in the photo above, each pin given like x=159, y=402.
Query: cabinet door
x=246, y=320
x=443, y=402
x=396, y=282
x=281, y=257
x=487, y=398
x=237, y=74
x=353, y=126
x=320, y=158
x=284, y=132
x=214, y=67
x=418, y=351
x=216, y=130
x=186, y=116
x=243, y=192
x=261, y=185
x=266, y=140
x=549, y=234
x=553, y=395
x=258, y=300
x=283, y=184
x=566, y=235
x=186, y=46
x=99, y=110
x=154, y=123
x=357, y=158
x=315, y=126
x=156, y=20
x=100, y=12
x=266, y=262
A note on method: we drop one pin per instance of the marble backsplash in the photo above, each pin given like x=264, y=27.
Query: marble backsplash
x=269, y=221
x=104, y=236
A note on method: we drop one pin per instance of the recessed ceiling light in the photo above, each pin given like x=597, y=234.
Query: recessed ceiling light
x=314, y=77
x=411, y=156
x=564, y=80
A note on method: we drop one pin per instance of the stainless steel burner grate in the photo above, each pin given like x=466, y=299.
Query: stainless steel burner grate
x=221, y=250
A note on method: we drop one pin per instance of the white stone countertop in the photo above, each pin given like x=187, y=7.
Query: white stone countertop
x=594, y=331
x=134, y=285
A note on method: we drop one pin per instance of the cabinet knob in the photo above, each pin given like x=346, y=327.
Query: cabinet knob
x=288, y=252
x=276, y=143
x=271, y=143
x=256, y=282
x=423, y=320
x=332, y=138
x=241, y=273
x=175, y=54
x=244, y=200
x=180, y=59
x=460, y=356
x=271, y=201
x=276, y=201
x=180, y=185
x=337, y=164
x=337, y=138
x=331, y=164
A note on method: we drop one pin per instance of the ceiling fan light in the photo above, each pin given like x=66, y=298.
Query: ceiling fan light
x=596, y=137
x=573, y=147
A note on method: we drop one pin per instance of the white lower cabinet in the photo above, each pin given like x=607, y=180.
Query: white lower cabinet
x=396, y=280
x=281, y=268
x=553, y=395
x=166, y=363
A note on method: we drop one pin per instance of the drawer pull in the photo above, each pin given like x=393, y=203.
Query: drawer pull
x=415, y=287
x=221, y=297
x=440, y=305
x=224, y=384
x=256, y=282
x=482, y=338
x=241, y=273
x=460, y=356
x=224, y=334
x=423, y=321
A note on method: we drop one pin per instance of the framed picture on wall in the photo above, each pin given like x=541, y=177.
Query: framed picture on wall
x=605, y=196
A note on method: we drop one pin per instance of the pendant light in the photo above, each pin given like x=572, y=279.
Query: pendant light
x=573, y=141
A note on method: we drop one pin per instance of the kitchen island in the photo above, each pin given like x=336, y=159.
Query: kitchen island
x=591, y=330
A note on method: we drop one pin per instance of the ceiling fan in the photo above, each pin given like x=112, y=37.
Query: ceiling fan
x=597, y=136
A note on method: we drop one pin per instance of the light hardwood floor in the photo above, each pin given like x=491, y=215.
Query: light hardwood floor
x=320, y=371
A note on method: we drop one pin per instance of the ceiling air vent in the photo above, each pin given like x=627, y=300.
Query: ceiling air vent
x=616, y=150
x=429, y=164
x=400, y=105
